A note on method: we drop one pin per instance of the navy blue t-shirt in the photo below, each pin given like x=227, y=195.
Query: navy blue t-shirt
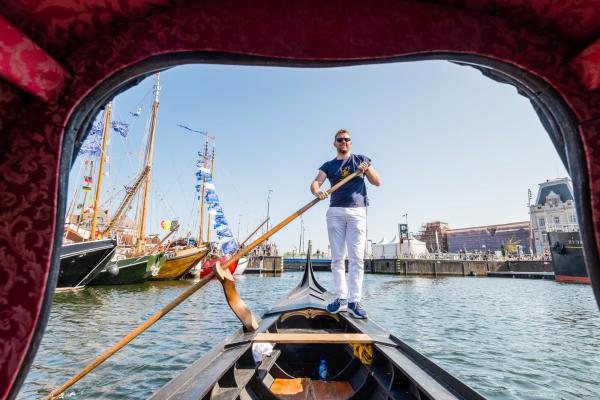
x=353, y=193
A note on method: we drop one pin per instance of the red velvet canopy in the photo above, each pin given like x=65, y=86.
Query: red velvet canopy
x=56, y=54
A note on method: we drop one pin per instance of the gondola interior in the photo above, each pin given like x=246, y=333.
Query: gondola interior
x=364, y=361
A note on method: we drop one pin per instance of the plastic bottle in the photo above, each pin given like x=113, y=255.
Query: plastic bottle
x=323, y=371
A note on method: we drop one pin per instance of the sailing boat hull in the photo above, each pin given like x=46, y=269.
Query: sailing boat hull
x=130, y=270
x=81, y=262
x=241, y=267
x=177, y=264
x=208, y=266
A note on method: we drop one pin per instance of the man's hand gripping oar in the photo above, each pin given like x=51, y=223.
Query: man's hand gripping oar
x=241, y=310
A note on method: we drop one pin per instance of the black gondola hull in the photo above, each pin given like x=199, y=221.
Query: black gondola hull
x=393, y=370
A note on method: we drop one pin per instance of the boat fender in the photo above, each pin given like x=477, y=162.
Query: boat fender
x=364, y=352
x=113, y=270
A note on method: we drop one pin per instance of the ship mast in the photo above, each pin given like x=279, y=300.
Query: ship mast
x=212, y=171
x=200, y=237
x=100, y=173
x=141, y=240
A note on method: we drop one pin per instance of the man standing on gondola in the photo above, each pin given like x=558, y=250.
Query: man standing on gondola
x=346, y=222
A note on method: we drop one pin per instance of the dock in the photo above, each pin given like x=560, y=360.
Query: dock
x=509, y=269
x=522, y=275
x=265, y=265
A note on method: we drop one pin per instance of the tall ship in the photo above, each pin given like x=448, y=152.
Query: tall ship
x=555, y=231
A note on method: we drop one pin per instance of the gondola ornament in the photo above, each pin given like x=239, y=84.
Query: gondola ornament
x=234, y=300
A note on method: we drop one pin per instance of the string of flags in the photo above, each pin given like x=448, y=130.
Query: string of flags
x=227, y=242
x=87, y=184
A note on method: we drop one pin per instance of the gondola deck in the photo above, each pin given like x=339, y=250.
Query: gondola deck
x=303, y=333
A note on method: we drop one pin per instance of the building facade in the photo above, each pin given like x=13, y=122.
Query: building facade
x=434, y=234
x=553, y=211
x=490, y=238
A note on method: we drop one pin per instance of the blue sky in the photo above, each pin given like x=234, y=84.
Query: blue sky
x=449, y=144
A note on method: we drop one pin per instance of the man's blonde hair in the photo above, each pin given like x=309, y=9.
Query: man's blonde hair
x=340, y=132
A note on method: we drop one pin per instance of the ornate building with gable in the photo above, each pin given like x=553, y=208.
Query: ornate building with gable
x=553, y=211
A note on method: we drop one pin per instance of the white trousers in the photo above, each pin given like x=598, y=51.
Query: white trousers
x=347, y=230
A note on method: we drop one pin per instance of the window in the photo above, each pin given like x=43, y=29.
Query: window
x=557, y=220
x=573, y=218
x=542, y=222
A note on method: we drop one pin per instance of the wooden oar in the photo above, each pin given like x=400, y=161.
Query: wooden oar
x=241, y=310
x=242, y=252
x=237, y=305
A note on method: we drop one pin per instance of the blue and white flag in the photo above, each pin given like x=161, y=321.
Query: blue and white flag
x=120, y=127
x=91, y=147
x=97, y=129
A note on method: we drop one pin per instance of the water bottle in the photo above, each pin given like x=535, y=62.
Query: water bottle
x=323, y=370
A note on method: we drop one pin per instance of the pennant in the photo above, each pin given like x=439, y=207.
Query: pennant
x=195, y=131
x=87, y=179
x=86, y=188
x=121, y=128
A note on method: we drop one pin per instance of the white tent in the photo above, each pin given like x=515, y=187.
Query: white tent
x=391, y=249
x=377, y=249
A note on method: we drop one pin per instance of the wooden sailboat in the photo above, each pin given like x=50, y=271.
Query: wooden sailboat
x=139, y=266
x=178, y=261
x=364, y=361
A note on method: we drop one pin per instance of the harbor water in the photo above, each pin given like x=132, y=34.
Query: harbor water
x=506, y=338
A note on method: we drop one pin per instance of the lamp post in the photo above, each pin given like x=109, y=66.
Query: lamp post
x=268, y=207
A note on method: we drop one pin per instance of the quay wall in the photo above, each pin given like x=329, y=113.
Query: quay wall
x=270, y=264
x=435, y=267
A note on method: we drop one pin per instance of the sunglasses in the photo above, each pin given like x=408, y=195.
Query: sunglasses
x=343, y=139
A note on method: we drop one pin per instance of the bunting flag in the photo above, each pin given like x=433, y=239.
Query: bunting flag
x=87, y=179
x=91, y=147
x=97, y=128
x=86, y=188
x=121, y=128
x=227, y=243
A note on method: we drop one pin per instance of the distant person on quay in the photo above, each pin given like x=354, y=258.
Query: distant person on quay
x=346, y=221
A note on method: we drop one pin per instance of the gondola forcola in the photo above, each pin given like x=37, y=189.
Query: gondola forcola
x=237, y=305
x=364, y=361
